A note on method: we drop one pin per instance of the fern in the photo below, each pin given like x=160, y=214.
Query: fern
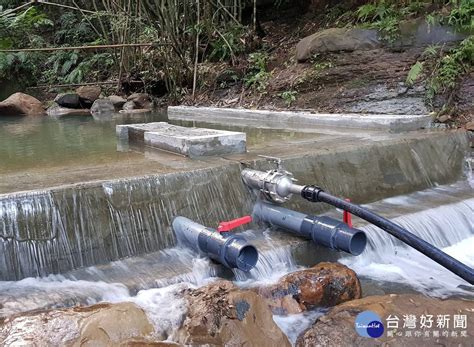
x=414, y=73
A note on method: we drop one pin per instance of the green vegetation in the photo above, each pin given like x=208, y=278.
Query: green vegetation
x=257, y=75
x=385, y=16
x=289, y=97
x=414, y=73
x=182, y=34
x=449, y=68
x=446, y=67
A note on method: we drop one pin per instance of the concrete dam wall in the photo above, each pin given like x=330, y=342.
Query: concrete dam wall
x=68, y=227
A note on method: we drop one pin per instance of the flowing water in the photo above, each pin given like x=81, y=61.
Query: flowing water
x=57, y=232
x=449, y=227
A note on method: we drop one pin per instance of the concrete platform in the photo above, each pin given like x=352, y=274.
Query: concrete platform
x=394, y=123
x=192, y=142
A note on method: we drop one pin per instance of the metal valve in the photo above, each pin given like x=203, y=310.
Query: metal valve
x=275, y=185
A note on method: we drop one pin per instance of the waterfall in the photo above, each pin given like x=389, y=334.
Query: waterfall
x=61, y=230
x=449, y=227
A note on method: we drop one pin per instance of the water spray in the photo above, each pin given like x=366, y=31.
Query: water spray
x=278, y=185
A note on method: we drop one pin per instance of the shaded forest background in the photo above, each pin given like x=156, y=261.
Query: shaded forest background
x=161, y=44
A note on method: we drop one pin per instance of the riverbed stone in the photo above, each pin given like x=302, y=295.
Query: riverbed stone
x=141, y=100
x=136, y=111
x=324, y=285
x=97, y=325
x=69, y=100
x=103, y=107
x=222, y=314
x=59, y=111
x=116, y=100
x=89, y=93
x=335, y=40
x=130, y=105
x=20, y=104
x=337, y=327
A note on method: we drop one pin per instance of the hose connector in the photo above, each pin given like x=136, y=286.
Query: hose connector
x=311, y=193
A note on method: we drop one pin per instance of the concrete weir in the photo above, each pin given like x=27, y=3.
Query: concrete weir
x=59, y=229
x=347, y=120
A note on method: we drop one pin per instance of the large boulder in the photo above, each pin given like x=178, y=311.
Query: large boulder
x=97, y=325
x=69, y=100
x=337, y=39
x=221, y=314
x=59, y=111
x=324, y=285
x=89, y=93
x=20, y=104
x=141, y=100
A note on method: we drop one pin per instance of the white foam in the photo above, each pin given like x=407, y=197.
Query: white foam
x=293, y=325
x=449, y=227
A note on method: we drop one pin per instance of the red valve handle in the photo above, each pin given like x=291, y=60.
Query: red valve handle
x=232, y=224
x=347, y=217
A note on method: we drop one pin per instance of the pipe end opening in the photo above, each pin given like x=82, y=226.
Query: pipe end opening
x=358, y=243
x=247, y=259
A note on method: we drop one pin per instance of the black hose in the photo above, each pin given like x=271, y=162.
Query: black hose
x=316, y=194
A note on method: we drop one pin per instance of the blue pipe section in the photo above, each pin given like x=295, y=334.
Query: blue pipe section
x=232, y=251
x=322, y=230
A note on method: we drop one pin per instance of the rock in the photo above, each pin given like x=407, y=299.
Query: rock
x=136, y=111
x=68, y=100
x=444, y=118
x=324, y=285
x=89, y=93
x=470, y=126
x=221, y=314
x=337, y=39
x=418, y=33
x=141, y=100
x=336, y=328
x=59, y=111
x=465, y=95
x=21, y=104
x=103, y=325
x=102, y=107
x=130, y=105
x=117, y=101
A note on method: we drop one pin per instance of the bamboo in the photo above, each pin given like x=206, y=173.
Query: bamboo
x=52, y=49
x=77, y=84
x=61, y=5
x=196, y=59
